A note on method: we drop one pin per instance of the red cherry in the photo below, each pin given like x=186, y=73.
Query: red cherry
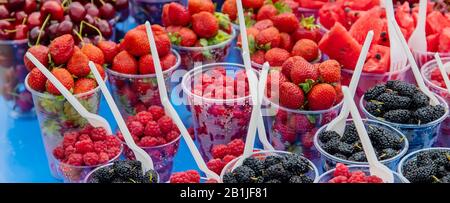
x=53, y=8
x=92, y=10
x=20, y=16
x=30, y=6
x=65, y=27
x=4, y=26
x=14, y=5
x=107, y=11
x=77, y=12
x=121, y=4
x=105, y=28
x=52, y=30
x=4, y=13
x=21, y=32
x=34, y=19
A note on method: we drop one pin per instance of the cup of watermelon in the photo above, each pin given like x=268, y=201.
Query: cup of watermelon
x=433, y=79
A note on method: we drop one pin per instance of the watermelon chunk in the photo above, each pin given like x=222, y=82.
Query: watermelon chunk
x=444, y=40
x=378, y=60
x=331, y=13
x=369, y=21
x=433, y=42
x=312, y=4
x=436, y=22
x=362, y=5
x=405, y=20
x=384, y=36
x=339, y=45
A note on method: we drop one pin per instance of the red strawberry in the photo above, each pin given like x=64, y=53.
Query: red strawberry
x=146, y=65
x=64, y=77
x=229, y=7
x=254, y=4
x=291, y=96
x=136, y=43
x=165, y=15
x=38, y=51
x=205, y=24
x=444, y=40
x=197, y=6
x=168, y=61
x=125, y=63
x=276, y=56
x=286, y=41
x=268, y=38
x=339, y=93
x=304, y=72
x=61, y=49
x=274, y=80
x=330, y=71
x=78, y=64
x=109, y=49
x=263, y=24
x=267, y=11
x=36, y=80
x=83, y=85
x=182, y=36
x=93, y=53
x=307, y=49
x=286, y=22
x=163, y=44
x=258, y=57
x=307, y=30
x=321, y=97
x=101, y=70
x=290, y=63
x=178, y=14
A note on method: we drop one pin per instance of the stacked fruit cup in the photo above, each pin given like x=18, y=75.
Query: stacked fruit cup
x=209, y=38
x=335, y=176
x=418, y=121
x=433, y=79
x=220, y=104
x=350, y=150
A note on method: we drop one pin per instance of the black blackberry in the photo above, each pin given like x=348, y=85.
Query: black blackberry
x=445, y=179
x=341, y=156
x=255, y=164
x=120, y=180
x=439, y=157
x=124, y=170
x=401, y=116
x=383, y=139
x=104, y=175
x=229, y=178
x=277, y=172
x=94, y=180
x=422, y=174
x=244, y=174
x=300, y=179
x=295, y=164
x=423, y=159
x=392, y=101
x=273, y=181
x=331, y=146
x=425, y=115
x=375, y=108
x=150, y=177
x=419, y=99
x=358, y=157
x=345, y=149
x=350, y=134
x=326, y=136
x=387, y=153
x=403, y=88
x=272, y=160
x=441, y=171
x=374, y=92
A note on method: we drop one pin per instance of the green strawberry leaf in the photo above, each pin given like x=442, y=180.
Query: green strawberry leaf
x=207, y=54
x=251, y=44
x=307, y=86
x=220, y=37
x=224, y=20
x=282, y=7
x=311, y=118
x=249, y=21
x=265, y=47
x=175, y=38
x=309, y=23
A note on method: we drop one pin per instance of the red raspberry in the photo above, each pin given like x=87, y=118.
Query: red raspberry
x=69, y=139
x=113, y=152
x=161, y=140
x=144, y=117
x=172, y=135
x=100, y=146
x=215, y=165
x=98, y=134
x=236, y=147
x=152, y=129
x=357, y=177
x=103, y=157
x=120, y=135
x=228, y=158
x=86, y=130
x=112, y=141
x=58, y=152
x=175, y=127
x=90, y=159
x=165, y=124
x=84, y=137
x=191, y=132
x=341, y=170
x=219, y=151
x=193, y=175
x=156, y=111
x=338, y=179
x=136, y=128
x=180, y=177
x=75, y=159
x=374, y=179
x=69, y=150
x=148, y=141
x=84, y=146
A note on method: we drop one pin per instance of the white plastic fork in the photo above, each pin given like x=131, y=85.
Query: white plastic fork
x=398, y=57
x=261, y=89
x=376, y=167
x=171, y=111
x=93, y=119
x=140, y=154
x=338, y=124
x=433, y=99
x=418, y=39
x=443, y=71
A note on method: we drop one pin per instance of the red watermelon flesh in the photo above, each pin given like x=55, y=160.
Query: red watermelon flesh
x=444, y=40
x=433, y=42
x=369, y=21
x=378, y=60
x=405, y=20
x=384, y=36
x=312, y=4
x=436, y=22
x=362, y=5
x=339, y=45
x=330, y=13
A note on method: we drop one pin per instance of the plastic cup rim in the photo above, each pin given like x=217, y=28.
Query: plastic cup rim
x=428, y=66
x=362, y=167
x=335, y=107
x=158, y=146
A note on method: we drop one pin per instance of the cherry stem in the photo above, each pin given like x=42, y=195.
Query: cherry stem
x=95, y=28
x=79, y=36
x=10, y=31
x=42, y=28
x=103, y=3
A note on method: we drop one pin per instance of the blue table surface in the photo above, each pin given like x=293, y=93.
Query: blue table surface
x=22, y=155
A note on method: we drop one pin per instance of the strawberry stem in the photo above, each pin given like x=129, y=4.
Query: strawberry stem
x=42, y=28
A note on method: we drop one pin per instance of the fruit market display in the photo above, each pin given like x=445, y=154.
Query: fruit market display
x=427, y=166
x=126, y=171
x=342, y=175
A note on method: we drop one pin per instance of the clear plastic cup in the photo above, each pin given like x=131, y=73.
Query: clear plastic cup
x=423, y=57
x=329, y=161
x=195, y=56
x=78, y=174
x=313, y=173
x=151, y=10
x=216, y=121
x=413, y=155
x=293, y=130
x=327, y=176
x=12, y=76
x=89, y=175
x=57, y=116
x=133, y=93
x=419, y=136
x=426, y=70
x=162, y=157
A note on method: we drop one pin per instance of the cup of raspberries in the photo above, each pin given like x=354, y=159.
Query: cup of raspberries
x=156, y=134
x=429, y=165
x=270, y=167
x=403, y=106
x=122, y=171
x=15, y=21
x=354, y=174
x=218, y=95
x=132, y=72
x=81, y=151
x=389, y=145
x=197, y=32
x=302, y=97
